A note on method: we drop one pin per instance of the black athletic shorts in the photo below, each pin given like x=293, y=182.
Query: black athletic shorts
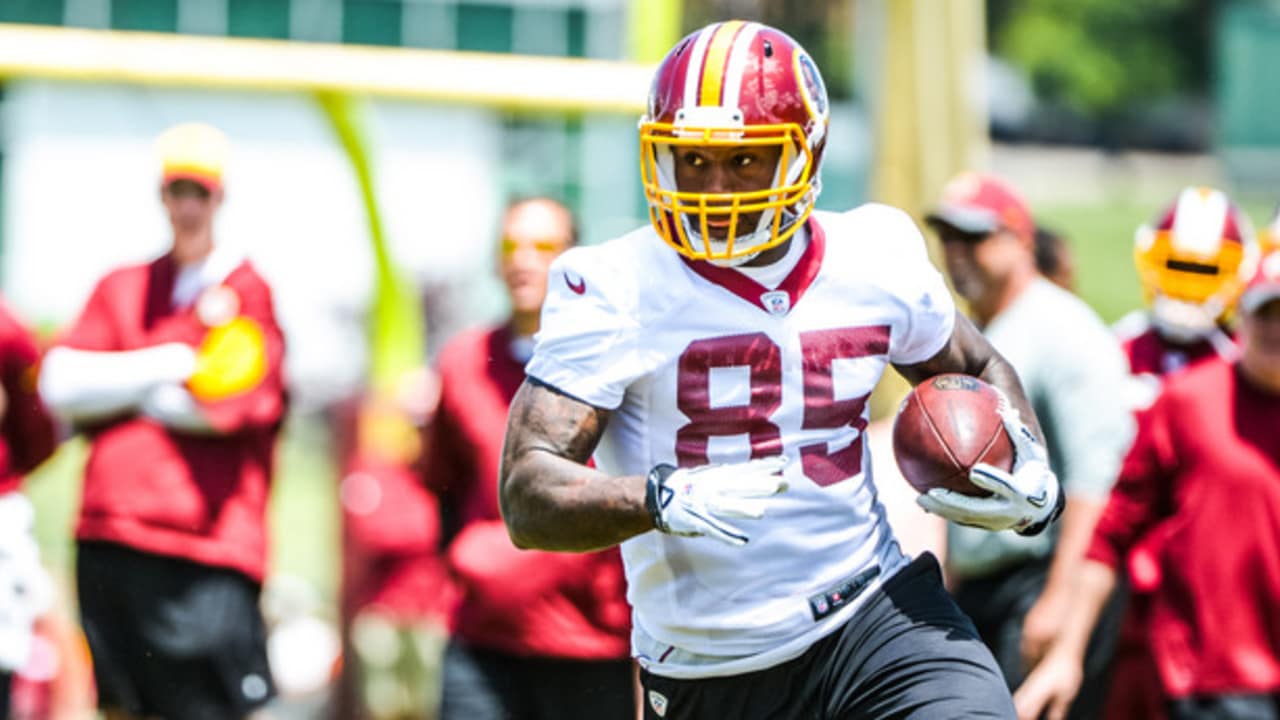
x=171, y=638
x=907, y=653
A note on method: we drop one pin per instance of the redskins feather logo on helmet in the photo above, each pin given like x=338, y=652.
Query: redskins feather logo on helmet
x=734, y=84
x=1194, y=262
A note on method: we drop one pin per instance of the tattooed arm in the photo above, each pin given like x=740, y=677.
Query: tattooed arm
x=550, y=499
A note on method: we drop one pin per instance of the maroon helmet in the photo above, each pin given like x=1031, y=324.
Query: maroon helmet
x=734, y=84
x=1194, y=261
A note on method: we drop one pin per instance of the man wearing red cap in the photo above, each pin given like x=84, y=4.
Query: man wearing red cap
x=173, y=374
x=1204, y=475
x=1016, y=588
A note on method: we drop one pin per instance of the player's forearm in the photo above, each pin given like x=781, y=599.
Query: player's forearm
x=1075, y=531
x=550, y=499
x=1092, y=587
x=553, y=503
x=997, y=371
x=174, y=407
x=969, y=352
x=84, y=386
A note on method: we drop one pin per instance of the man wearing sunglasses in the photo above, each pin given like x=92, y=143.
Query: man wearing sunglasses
x=536, y=634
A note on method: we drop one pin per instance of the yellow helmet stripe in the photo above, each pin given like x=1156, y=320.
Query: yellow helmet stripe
x=717, y=57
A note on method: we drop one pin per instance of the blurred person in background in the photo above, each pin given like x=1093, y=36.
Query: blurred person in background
x=537, y=635
x=173, y=373
x=1192, y=260
x=396, y=593
x=1018, y=589
x=27, y=438
x=1204, y=476
x=1054, y=259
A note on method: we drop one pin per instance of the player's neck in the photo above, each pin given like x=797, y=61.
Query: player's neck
x=192, y=249
x=775, y=264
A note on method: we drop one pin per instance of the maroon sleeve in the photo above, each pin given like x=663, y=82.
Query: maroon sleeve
x=262, y=407
x=95, y=328
x=1140, y=497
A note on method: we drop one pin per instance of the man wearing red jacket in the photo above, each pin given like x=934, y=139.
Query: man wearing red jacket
x=1204, y=476
x=537, y=635
x=173, y=373
x=27, y=438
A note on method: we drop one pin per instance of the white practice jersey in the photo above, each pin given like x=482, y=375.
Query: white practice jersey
x=700, y=364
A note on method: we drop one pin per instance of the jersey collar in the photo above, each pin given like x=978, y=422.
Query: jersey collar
x=774, y=302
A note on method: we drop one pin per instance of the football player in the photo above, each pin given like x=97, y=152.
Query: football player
x=173, y=374
x=1192, y=261
x=717, y=366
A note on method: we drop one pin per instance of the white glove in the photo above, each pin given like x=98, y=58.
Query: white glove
x=693, y=501
x=173, y=406
x=1026, y=500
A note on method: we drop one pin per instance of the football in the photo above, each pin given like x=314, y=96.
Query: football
x=946, y=425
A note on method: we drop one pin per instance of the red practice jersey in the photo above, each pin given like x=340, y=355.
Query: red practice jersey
x=198, y=497
x=520, y=602
x=1202, y=483
x=27, y=434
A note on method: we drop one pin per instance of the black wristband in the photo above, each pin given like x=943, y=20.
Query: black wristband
x=656, y=494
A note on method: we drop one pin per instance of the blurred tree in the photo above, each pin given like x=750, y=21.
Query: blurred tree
x=823, y=28
x=1106, y=60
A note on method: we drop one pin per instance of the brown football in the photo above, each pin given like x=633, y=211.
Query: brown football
x=946, y=425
